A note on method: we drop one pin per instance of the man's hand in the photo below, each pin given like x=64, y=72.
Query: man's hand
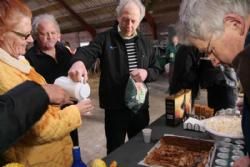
x=139, y=75
x=215, y=61
x=242, y=162
x=77, y=71
x=56, y=94
x=240, y=104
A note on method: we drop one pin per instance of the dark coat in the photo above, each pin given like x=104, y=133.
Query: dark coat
x=186, y=70
x=109, y=47
x=171, y=49
x=47, y=66
x=241, y=64
x=17, y=114
x=221, y=83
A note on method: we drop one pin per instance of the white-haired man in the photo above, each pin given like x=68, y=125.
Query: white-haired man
x=219, y=28
x=48, y=56
x=123, y=52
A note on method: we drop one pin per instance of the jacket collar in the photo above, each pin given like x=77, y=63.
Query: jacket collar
x=241, y=64
x=37, y=49
x=123, y=37
x=16, y=63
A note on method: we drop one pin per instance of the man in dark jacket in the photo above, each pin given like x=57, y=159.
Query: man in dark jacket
x=49, y=57
x=123, y=52
x=222, y=37
x=18, y=113
x=221, y=85
x=186, y=71
x=171, y=50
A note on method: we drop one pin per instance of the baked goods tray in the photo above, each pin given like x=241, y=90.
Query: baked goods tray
x=173, y=150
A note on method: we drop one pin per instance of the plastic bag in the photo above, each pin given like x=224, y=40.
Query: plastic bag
x=135, y=95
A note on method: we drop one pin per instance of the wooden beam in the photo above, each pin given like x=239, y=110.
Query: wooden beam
x=53, y=6
x=98, y=7
x=48, y=7
x=149, y=18
x=88, y=27
x=102, y=24
x=98, y=14
x=166, y=9
x=167, y=18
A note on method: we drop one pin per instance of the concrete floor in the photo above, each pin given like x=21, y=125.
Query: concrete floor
x=91, y=133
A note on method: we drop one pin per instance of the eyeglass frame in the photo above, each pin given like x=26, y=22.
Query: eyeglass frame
x=25, y=36
x=211, y=50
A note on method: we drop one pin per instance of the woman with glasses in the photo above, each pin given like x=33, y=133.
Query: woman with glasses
x=47, y=143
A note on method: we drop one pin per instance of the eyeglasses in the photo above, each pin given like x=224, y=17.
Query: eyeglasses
x=211, y=51
x=25, y=36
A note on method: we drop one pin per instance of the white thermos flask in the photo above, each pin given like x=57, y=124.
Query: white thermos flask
x=78, y=90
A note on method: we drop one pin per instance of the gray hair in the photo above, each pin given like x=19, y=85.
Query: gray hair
x=123, y=3
x=43, y=17
x=199, y=18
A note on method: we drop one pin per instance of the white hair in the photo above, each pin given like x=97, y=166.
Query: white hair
x=199, y=18
x=43, y=17
x=123, y=3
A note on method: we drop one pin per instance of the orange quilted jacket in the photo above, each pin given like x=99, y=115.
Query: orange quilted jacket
x=47, y=143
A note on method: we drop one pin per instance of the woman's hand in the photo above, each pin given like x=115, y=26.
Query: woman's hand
x=56, y=94
x=85, y=106
x=240, y=104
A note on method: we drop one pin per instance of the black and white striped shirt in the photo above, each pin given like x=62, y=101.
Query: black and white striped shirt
x=131, y=53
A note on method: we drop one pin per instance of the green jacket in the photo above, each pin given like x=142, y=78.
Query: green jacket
x=171, y=52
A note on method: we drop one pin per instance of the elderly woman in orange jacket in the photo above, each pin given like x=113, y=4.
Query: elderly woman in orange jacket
x=47, y=143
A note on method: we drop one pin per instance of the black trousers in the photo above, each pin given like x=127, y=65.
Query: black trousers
x=171, y=72
x=120, y=122
x=74, y=137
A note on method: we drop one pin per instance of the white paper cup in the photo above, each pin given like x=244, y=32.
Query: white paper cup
x=147, y=135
